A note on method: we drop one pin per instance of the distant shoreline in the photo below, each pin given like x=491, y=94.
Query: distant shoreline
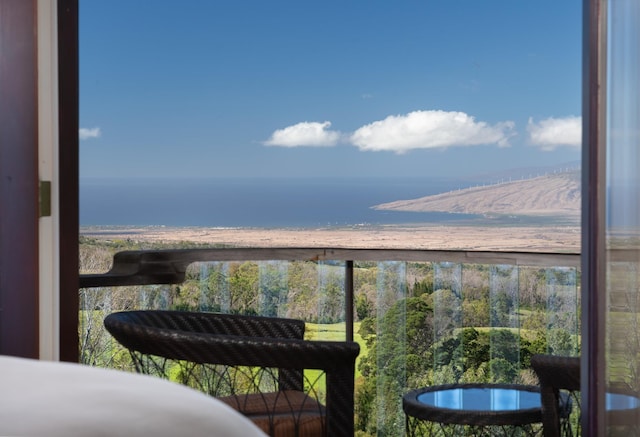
x=525, y=238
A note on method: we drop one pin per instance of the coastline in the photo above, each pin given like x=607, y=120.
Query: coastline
x=550, y=238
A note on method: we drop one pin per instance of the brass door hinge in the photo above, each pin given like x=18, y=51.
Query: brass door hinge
x=44, y=198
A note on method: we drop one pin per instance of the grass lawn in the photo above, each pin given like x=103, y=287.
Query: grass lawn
x=336, y=332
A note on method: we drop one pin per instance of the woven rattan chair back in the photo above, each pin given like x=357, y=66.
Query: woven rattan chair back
x=556, y=373
x=254, y=364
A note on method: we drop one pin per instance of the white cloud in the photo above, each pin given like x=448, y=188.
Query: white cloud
x=86, y=133
x=551, y=133
x=430, y=129
x=304, y=134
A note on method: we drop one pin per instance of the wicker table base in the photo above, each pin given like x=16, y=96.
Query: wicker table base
x=474, y=409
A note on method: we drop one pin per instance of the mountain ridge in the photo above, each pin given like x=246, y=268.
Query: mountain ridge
x=551, y=195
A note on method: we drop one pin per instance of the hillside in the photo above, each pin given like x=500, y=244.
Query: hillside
x=550, y=195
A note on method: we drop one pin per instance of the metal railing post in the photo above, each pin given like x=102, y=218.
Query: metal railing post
x=348, y=298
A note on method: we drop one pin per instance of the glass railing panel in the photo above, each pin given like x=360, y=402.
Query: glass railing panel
x=448, y=354
x=273, y=284
x=243, y=283
x=418, y=323
x=303, y=292
x=391, y=346
x=473, y=337
x=156, y=297
x=96, y=346
x=505, y=360
x=563, y=311
x=214, y=292
x=331, y=308
x=95, y=343
x=306, y=290
x=532, y=311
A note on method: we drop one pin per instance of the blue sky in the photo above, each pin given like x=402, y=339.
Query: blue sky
x=331, y=88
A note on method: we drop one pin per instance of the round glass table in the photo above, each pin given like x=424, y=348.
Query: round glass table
x=491, y=409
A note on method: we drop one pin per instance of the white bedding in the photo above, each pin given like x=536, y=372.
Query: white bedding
x=41, y=398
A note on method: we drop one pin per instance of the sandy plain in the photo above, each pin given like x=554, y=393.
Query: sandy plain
x=532, y=215
x=428, y=237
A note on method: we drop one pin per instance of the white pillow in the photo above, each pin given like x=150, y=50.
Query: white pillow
x=43, y=398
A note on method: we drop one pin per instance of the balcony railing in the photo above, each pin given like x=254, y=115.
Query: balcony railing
x=421, y=317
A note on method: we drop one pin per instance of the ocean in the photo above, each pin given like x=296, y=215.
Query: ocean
x=258, y=202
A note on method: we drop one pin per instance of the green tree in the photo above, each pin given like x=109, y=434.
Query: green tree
x=364, y=307
x=396, y=352
x=243, y=287
x=273, y=286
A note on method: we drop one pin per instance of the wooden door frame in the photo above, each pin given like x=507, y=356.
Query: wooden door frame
x=69, y=168
x=19, y=179
x=19, y=283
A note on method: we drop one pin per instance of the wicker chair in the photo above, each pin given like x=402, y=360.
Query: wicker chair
x=254, y=364
x=557, y=373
